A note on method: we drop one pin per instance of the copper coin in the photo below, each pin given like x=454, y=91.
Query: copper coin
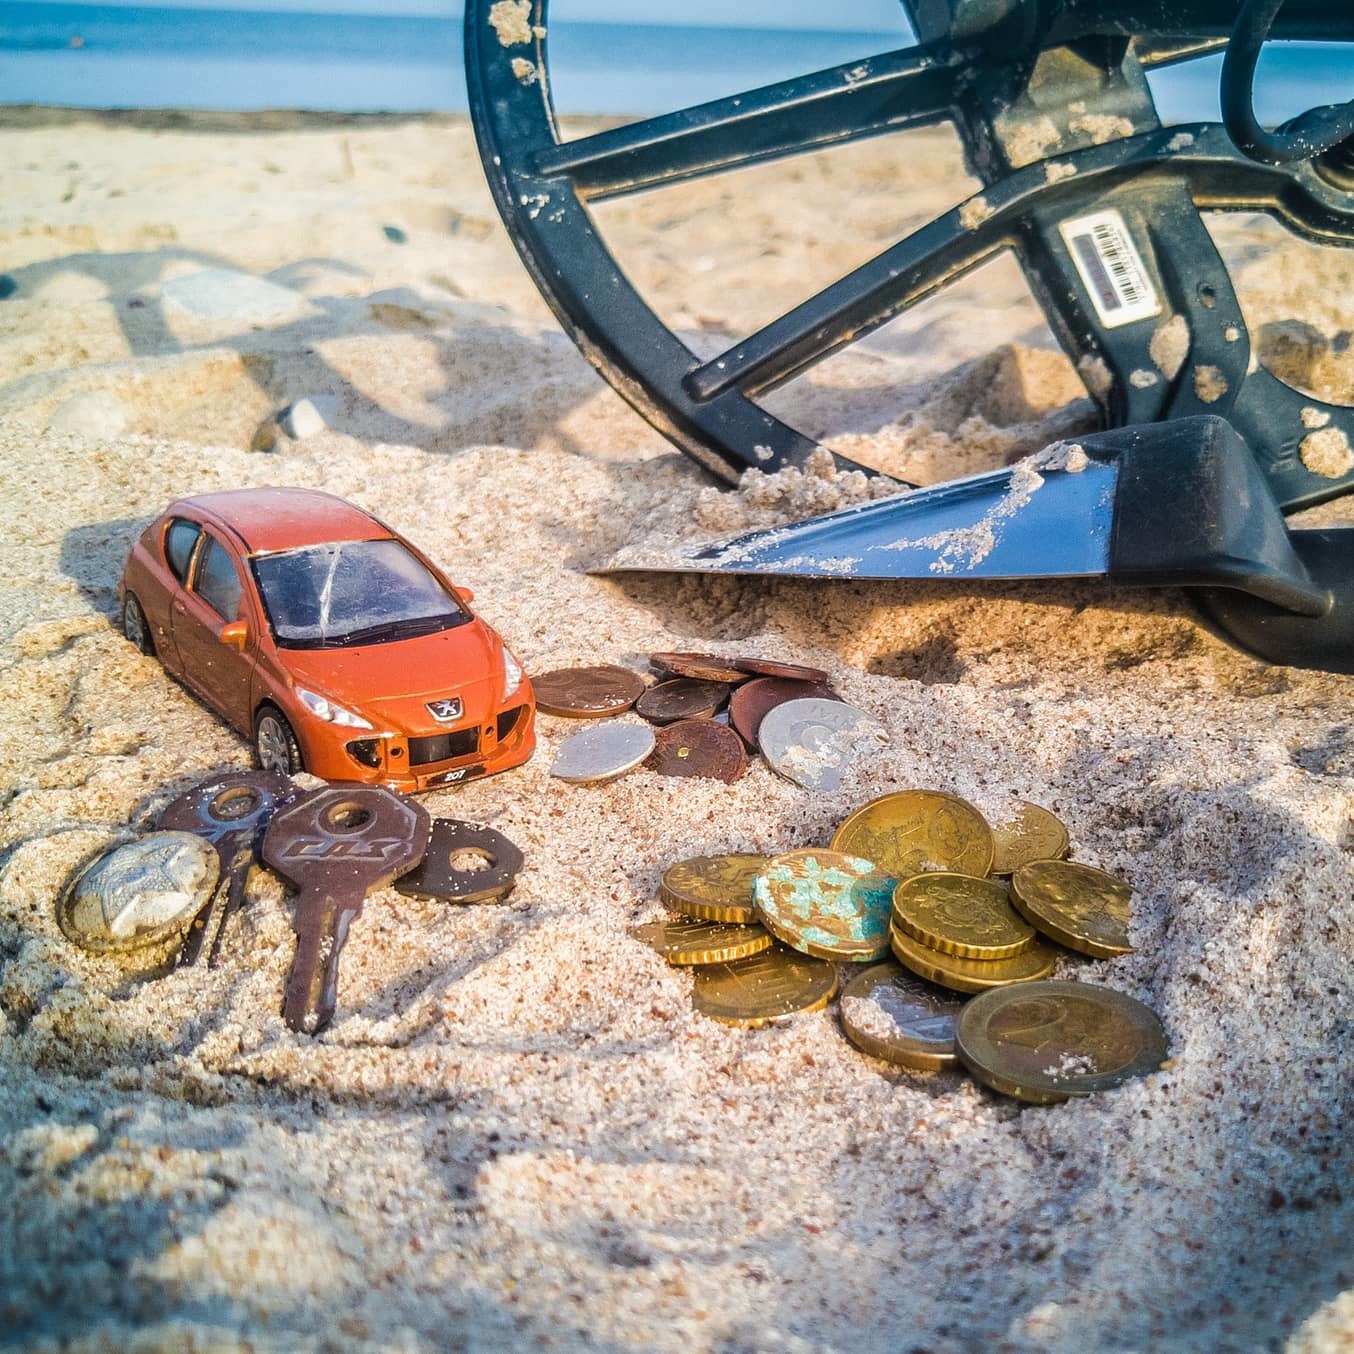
x=587, y=693
x=698, y=747
x=767, y=667
x=704, y=667
x=750, y=704
x=681, y=698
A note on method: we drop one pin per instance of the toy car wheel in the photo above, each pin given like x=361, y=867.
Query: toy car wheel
x=134, y=626
x=275, y=744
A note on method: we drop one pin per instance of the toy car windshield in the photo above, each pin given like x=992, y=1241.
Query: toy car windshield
x=351, y=593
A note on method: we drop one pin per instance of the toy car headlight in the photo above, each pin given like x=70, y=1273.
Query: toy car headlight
x=325, y=709
x=512, y=673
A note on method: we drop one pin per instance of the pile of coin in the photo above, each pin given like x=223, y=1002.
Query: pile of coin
x=914, y=874
x=159, y=893
x=703, y=716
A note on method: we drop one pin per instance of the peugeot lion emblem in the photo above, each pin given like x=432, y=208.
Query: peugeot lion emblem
x=444, y=711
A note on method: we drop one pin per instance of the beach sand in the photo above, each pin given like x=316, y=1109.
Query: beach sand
x=516, y=1133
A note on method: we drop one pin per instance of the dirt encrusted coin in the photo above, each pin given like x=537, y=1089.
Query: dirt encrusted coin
x=704, y=942
x=892, y=1014
x=751, y=703
x=713, y=888
x=767, y=667
x=1045, y=1042
x=681, y=698
x=826, y=904
x=970, y=975
x=915, y=830
x=1076, y=905
x=961, y=915
x=1027, y=832
x=817, y=742
x=765, y=988
x=138, y=892
x=602, y=752
x=588, y=692
x=698, y=747
x=704, y=667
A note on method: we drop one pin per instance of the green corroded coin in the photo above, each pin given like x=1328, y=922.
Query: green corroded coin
x=826, y=904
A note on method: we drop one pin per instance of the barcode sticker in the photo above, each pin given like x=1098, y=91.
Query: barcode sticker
x=1111, y=268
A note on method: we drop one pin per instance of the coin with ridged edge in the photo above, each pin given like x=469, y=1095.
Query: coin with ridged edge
x=602, y=752
x=915, y=830
x=1047, y=1042
x=587, y=692
x=815, y=742
x=961, y=915
x=826, y=904
x=892, y=1014
x=138, y=892
x=704, y=942
x=1076, y=905
x=1027, y=832
x=970, y=975
x=713, y=888
x=763, y=989
x=681, y=698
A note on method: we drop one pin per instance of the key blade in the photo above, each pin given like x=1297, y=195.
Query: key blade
x=311, y=994
x=1049, y=516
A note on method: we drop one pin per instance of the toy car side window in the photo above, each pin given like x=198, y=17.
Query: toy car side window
x=180, y=539
x=216, y=580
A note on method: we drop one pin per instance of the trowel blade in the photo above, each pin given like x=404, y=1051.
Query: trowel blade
x=1047, y=517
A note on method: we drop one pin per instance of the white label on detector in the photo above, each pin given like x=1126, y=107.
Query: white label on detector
x=1111, y=268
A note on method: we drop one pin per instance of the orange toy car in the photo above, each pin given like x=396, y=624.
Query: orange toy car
x=327, y=638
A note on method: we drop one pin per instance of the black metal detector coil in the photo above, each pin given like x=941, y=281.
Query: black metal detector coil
x=1112, y=240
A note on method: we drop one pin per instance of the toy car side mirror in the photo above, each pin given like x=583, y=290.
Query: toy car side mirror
x=235, y=634
x=465, y=595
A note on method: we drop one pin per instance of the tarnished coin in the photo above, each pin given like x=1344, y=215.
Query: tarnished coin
x=139, y=892
x=705, y=667
x=915, y=830
x=970, y=975
x=766, y=667
x=1050, y=1041
x=892, y=1014
x=602, y=753
x=767, y=987
x=704, y=942
x=1076, y=905
x=1027, y=833
x=751, y=703
x=816, y=742
x=826, y=904
x=587, y=693
x=961, y=915
x=714, y=888
x=681, y=698
x=698, y=747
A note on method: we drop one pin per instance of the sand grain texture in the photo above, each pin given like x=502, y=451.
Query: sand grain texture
x=516, y=1133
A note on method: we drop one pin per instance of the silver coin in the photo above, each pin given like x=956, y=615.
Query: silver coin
x=814, y=742
x=139, y=892
x=602, y=752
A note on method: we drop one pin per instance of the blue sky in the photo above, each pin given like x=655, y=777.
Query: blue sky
x=857, y=15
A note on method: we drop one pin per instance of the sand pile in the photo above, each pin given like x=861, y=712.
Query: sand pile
x=516, y=1133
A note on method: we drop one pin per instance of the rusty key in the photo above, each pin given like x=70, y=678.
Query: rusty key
x=335, y=846
x=230, y=811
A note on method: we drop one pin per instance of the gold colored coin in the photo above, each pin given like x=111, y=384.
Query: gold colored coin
x=961, y=915
x=894, y=1015
x=1029, y=833
x=826, y=904
x=765, y=988
x=714, y=888
x=970, y=975
x=703, y=942
x=916, y=830
x=1076, y=905
x=1047, y=1042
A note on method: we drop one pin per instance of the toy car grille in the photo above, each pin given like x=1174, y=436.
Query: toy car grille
x=442, y=747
